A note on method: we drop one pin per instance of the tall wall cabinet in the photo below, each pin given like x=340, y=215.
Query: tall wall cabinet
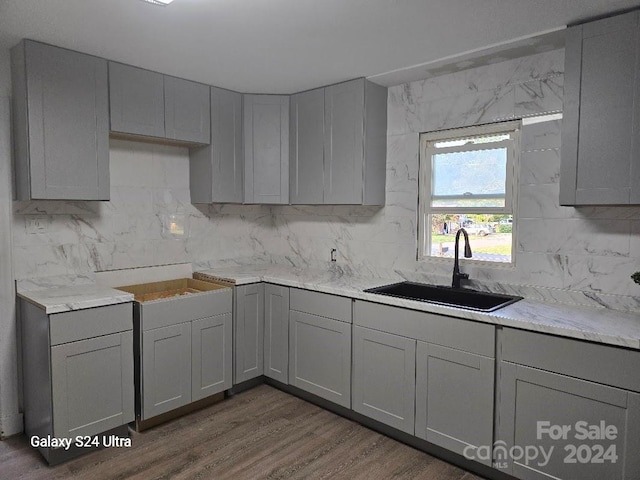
x=61, y=123
x=338, y=144
x=601, y=126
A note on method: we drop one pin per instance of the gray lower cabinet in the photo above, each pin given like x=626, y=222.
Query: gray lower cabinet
x=276, y=332
x=601, y=129
x=578, y=402
x=211, y=356
x=136, y=100
x=587, y=430
x=187, y=112
x=320, y=345
x=216, y=170
x=77, y=372
x=384, y=377
x=61, y=123
x=185, y=346
x=266, y=149
x=248, y=328
x=166, y=369
x=339, y=144
x=454, y=398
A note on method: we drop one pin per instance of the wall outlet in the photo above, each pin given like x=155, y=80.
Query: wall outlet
x=35, y=224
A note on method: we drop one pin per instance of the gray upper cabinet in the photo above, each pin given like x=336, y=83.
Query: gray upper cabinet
x=248, y=328
x=601, y=129
x=340, y=158
x=384, y=377
x=61, y=123
x=136, y=98
x=216, y=171
x=343, y=139
x=266, y=149
x=150, y=104
x=187, y=113
x=276, y=332
x=307, y=148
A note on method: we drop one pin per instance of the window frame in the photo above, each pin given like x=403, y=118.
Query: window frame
x=425, y=185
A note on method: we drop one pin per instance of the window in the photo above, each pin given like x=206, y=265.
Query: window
x=468, y=180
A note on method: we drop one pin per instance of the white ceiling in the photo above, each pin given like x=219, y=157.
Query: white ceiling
x=285, y=46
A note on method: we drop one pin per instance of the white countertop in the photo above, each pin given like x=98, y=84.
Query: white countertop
x=78, y=297
x=597, y=325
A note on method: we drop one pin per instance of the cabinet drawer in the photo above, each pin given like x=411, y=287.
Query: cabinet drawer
x=466, y=335
x=321, y=304
x=174, y=311
x=91, y=322
x=599, y=363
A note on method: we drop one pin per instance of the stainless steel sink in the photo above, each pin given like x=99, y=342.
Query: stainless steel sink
x=442, y=295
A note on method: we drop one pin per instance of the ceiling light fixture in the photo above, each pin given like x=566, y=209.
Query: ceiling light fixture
x=161, y=3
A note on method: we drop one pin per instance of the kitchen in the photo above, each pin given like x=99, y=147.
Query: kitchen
x=563, y=255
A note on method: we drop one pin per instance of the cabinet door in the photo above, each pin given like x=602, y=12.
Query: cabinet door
x=187, y=110
x=320, y=356
x=166, y=369
x=307, y=147
x=92, y=384
x=276, y=332
x=266, y=149
x=532, y=401
x=136, y=98
x=211, y=356
x=454, y=398
x=600, y=144
x=384, y=377
x=343, y=142
x=216, y=171
x=249, y=332
x=67, y=153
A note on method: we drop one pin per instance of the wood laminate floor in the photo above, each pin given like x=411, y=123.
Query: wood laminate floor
x=262, y=433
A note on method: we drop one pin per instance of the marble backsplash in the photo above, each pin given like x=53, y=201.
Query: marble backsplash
x=571, y=255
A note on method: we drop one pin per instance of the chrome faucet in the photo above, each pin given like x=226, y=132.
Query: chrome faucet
x=457, y=276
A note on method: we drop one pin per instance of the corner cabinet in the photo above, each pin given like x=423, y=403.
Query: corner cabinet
x=61, y=123
x=339, y=135
x=216, y=170
x=149, y=104
x=266, y=149
x=77, y=372
x=320, y=345
x=601, y=127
